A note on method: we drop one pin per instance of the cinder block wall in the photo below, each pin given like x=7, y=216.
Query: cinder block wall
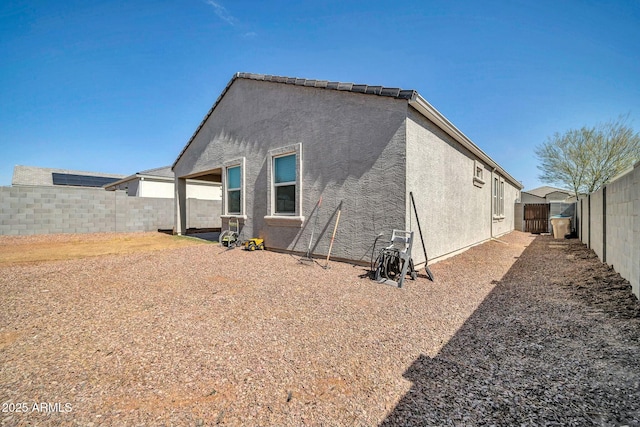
x=597, y=222
x=46, y=210
x=623, y=227
x=612, y=229
x=202, y=213
x=585, y=221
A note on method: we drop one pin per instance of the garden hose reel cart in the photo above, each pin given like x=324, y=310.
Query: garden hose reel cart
x=394, y=262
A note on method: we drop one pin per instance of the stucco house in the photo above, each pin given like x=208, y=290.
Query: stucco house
x=159, y=182
x=546, y=194
x=277, y=145
x=537, y=206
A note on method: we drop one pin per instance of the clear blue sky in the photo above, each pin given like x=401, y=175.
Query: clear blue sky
x=120, y=86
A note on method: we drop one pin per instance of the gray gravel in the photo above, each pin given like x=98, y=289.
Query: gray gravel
x=206, y=336
x=557, y=343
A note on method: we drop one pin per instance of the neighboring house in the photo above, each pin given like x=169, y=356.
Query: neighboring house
x=537, y=206
x=37, y=176
x=159, y=182
x=277, y=145
x=546, y=195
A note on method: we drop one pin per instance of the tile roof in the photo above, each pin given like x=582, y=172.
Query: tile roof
x=164, y=171
x=321, y=84
x=325, y=84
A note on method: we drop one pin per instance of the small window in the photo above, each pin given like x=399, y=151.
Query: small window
x=284, y=182
x=234, y=190
x=478, y=174
x=496, y=209
x=498, y=197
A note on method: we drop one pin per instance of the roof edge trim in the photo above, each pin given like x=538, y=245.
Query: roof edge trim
x=431, y=113
x=313, y=83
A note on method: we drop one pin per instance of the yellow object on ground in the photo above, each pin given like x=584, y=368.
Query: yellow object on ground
x=253, y=244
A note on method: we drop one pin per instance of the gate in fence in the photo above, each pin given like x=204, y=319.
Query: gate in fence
x=536, y=218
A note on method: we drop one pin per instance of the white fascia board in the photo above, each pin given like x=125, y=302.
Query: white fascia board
x=156, y=178
x=429, y=111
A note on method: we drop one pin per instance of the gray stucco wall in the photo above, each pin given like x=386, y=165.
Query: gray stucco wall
x=455, y=213
x=518, y=223
x=506, y=223
x=45, y=210
x=353, y=151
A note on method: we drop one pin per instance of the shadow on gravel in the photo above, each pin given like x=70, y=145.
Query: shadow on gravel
x=540, y=350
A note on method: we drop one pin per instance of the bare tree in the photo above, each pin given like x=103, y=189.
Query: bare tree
x=585, y=159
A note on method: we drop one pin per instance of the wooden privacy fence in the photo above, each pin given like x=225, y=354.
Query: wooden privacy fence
x=536, y=218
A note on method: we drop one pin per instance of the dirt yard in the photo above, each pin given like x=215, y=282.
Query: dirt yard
x=523, y=330
x=26, y=249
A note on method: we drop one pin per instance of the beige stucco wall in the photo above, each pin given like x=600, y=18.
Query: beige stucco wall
x=157, y=188
x=353, y=151
x=527, y=198
x=151, y=188
x=506, y=223
x=557, y=196
x=202, y=190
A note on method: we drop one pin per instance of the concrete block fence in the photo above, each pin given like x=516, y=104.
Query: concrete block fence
x=46, y=210
x=610, y=225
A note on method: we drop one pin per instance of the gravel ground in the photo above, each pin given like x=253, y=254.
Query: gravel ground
x=521, y=331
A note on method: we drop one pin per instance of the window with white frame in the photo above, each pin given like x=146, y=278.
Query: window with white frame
x=478, y=174
x=496, y=190
x=284, y=190
x=502, y=197
x=234, y=190
x=284, y=184
x=498, y=197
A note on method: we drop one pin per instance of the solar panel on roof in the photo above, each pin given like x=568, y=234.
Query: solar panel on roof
x=81, y=180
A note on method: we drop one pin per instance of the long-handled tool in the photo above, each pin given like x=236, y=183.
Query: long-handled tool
x=426, y=258
x=333, y=236
x=307, y=257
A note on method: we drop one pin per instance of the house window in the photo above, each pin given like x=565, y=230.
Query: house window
x=498, y=197
x=502, y=197
x=234, y=190
x=284, y=183
x=478, y=174
x=496, y=190
x=284, y=189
